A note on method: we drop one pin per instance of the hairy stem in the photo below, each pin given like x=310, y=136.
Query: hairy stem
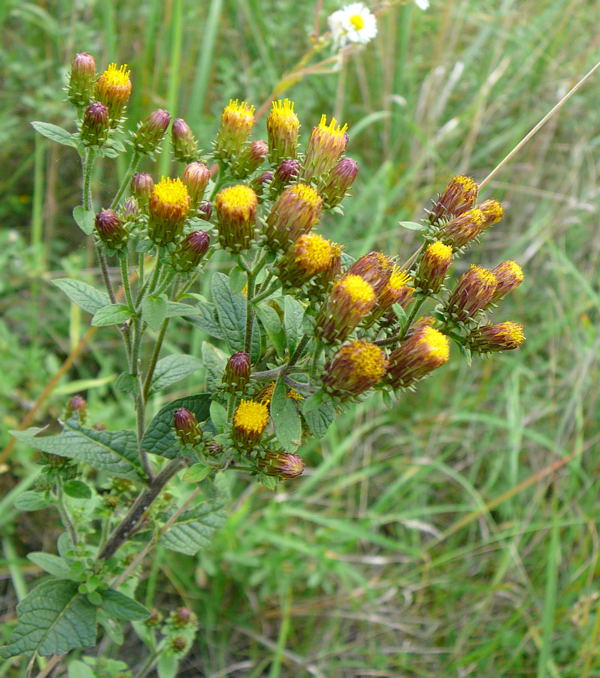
x=154, y=358
x=133, y=163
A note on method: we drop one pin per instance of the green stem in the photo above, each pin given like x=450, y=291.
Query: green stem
x=147, y=666
x=133, y=164
x=64, y=515
x=404, y=331
x=230, y=406
x=315, y=360
x=249, y=314
x=298, y=352
x=125, y=277
x=154, y=358
x=267, y=292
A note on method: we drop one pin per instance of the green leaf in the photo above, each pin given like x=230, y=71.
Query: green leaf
x=214, y=362
x=293, y=312
x=32, y=501
x=319, y=418
x=285, y=415
x=126, y=382
x=50, y=563
x=176, y=309
x=78, y=669
x=154, y=311
x=271, y=321
x=77, y=489
x=85, y=219
x=172, y=369
x=412, y=226
x=112, y=451
x=160, y=438
x=113, y=314
x=206, y=319
x=53, y=619
x=194, y=530
x=167, y=666
x=117, y=604
x=85, y=296
x=218, y=415
x=55, y=133
x=197, y=473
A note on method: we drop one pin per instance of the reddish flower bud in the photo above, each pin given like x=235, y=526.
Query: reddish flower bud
x=295, y=212
x=141, y=186
x=326, y=144
x=339, y=181
x=283, y=465
x=187, y=427
x=375, y=268
x=82, y=79
x=237, y=372
x=462, y=229
x=178, y=644
x=506, y=336
x=460, y=195
x=113, y=89
x=258, y=183
x=77, y=405
x=213, y=448
x=473, y=292
x=150, y=132
x=110, y=229
x=183, y=617
x=196, y=176
x=433, y=267
x=154, y=619
x=95, y=124
x=283, y=128
x=287, y=172
x=350, y=300
x=185, y=146
x=205, y=210
x=236, y=211
x=423, y=351
x=190, y=251
x=509, y=276
x=354, y=369
x=251, y=158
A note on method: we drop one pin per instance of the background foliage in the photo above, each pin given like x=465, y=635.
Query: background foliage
x=443, y=535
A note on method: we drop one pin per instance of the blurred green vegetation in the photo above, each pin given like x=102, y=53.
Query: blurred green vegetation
x=421, y=542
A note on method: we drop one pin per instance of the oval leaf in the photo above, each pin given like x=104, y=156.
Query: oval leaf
x=85, y=296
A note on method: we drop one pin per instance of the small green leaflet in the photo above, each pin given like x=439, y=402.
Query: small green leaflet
x=118, y=605
x=174, y=368
x=85, y=219
x=55, y=133
x=113, y=314
x=85, y=296
x=194, y=529
x=154, y=311
x=285, y=415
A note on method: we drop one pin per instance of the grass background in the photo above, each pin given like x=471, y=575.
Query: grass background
x=445, y=535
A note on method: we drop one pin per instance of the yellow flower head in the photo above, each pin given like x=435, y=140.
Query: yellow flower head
x=433, y=267
x=283, y=128
x=397, y=291
x=351, y=299
x=237, y=121
x=463, y=228
x=460, y=195
x=169, y=205
x=492, y=213
x=114, y=88
x=439, y=252
x=249, y=421
x=236, y=211
x=376, y=268
x=356, y=289
x=424, y=350
x=473, y=292
x=312, y=253
x=355, y=368
x=435, y=344
x=326, y=144
x=506, y=336
x=509, y=276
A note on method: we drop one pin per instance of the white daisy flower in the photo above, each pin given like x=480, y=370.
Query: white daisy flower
x=422, y=4
x=353, y=23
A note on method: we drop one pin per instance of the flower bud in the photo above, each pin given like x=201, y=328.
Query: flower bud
x=183, y=617
x=130, y=211
x=113, y=90
x=492, y=213
x=311, y=255
x=237, y=121
x=178, y=644
x=283, y=128
x=506, y=336
x=236, y=212
x=462, y=229
x=190, y=251
x=185, y=146
x=295, y=212
x=287, y=173
x=509, y=276
x=187, y=427
x=433, y=267
x=141, y=186
x=375, y=268
x=95, y=124
x=77, y=405
x=283, y=465
x=397, y=291
x=249, y=422
x=196, y=176
x=82, y=79
x=205, y=210
x=237, y=372
x=169, y=205
x=258, y=183
x=251, y=158
x=350, y=300
x=339, y=181
x=423, y=351
x=150, y=132
x=110, y=229
x=326, y=144
x=473, y=292
x=354, y=369
x=460, y=195
x=154, y=619
x=213, y=448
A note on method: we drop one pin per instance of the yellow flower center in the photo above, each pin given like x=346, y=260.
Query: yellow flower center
x=475, y=215
x=333, y=128
x=116, y=76
x=368, y=360
x=282, y=114
x=398, y=279
x=240, y=199
x=481, y=274
x=313, y=252
x=306, y=194
x=358, y=289
x=512, y=332
x=492, y=212
x=466, y=183
x=251, y=417
x=357, y=21
x=239, y=109
x=171, y=192
x=510, y=268
x=437, y=250
x=436, y=344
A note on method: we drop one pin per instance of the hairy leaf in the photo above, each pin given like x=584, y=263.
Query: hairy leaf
x=206, y=319
x=32, y=501
x=285, y=415
x=118, y=605
x=85, y=219
x=55, y=133
x=154, y=311
x=113, y=314
x=52, y=564
x=195, y=529
x=293, y=314
x=214, y=362
x=87, y=297
x=172, y=369
x=319, y=418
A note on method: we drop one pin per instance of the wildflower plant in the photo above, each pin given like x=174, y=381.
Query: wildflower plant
x=234, y=243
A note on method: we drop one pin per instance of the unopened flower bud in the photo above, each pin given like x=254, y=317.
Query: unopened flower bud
x=213, y=448
x=354, y=369
x=326, y=144
x=190, y=251
x=492, y=213
x=506, y=336
x=237, y=372
x=249, y=422
x=154, y=619
x=95, y=124
x=283, y=465
x=237, y=121
x=350, y=300
x=187, y=427
x=397, y=291
x=433, y=267
x=178, y=644
x=130, y=211
x=236, y=211
x=283, y=128
x=509, y=276
x=473, y=292
x=113, y=89
x=77, y=405
x=169, y=205
x=141, y=186
x=110, y=229
x=205, y=210
x=251, y=158
x=183, y=617
x=150, y=132
x=185, y=146
x=460, y=195
x=462, y=229
x=295, y=212
x=339, y=181
x=82, y=79
x=287, y=173
x=423, y=351
x=258, y=183
x=196, y=176
x=376, y=268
